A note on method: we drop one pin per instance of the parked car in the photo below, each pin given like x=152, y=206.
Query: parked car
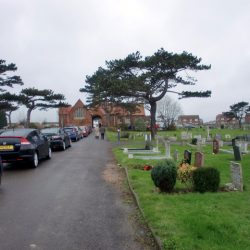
x=24, y=145
x=85, y=131
x=73, y=133
x=59, y=139
x=80, y=132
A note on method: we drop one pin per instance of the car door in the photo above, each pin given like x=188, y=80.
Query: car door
x=38, y=140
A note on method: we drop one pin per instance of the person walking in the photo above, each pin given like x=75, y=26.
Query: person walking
x=97, y=132
x=102, y=131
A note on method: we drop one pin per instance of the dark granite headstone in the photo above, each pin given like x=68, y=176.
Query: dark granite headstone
x=187, y=156
x=233, y=142
x=237, y=154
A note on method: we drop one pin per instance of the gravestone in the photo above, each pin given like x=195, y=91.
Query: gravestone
x=218, y=137
x=227, y=136
x=198, y=137
x=236, y=175
x=237, y=154
x=208, y=134
x=199, y=145
x=176, y=155
x=243, y=146
x=187, y=156
x=130, y=156
x=216, y=146
x=147, y=137
x=167, y=148
x=234, y=142
x=199, y=159
x=203, y=141
x=221, y=143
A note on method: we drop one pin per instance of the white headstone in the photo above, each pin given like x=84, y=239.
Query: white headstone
x=167, y=147
x=236, y=175
x=130, y=156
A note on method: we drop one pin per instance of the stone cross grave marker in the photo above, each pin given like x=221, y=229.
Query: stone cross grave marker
x=198, y=159
x=236, y=175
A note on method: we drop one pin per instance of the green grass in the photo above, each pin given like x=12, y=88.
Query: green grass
x=192, y=220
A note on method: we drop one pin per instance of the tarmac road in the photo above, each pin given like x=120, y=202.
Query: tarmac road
x=65, y=204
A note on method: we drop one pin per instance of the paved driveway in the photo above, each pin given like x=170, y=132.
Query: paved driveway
x=66, y=204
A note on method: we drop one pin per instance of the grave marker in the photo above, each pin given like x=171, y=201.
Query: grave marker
x=187, y=156
x=199, y=159
x=216, y=146
x=237, y=154
x=176, y=155
x=236, y=175
x=167, y=148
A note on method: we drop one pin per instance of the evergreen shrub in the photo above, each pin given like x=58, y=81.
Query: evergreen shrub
x=164, y=175
x=206, y=179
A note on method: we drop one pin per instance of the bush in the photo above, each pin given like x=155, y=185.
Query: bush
x=164, y=175
x=206, y=179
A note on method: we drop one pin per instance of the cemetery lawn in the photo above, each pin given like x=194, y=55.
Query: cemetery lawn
x=186, y=220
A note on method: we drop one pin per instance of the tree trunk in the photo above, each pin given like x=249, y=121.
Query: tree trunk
x=9, y=119
x=28, y=118
x=152, y=119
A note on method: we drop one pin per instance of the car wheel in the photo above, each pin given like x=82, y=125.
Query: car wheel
x=49, y=154
x=63, y=146
x=34, y=161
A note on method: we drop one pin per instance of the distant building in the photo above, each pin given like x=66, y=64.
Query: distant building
x=189, y=120
x=247, y=118
x=109, y=115
x=223, y=120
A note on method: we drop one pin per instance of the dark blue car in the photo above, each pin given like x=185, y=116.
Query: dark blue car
x=73, y=133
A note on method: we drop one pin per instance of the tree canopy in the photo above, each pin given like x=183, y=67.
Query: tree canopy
x=34, y=98
x=135, y=79
x=238, y=111
x=7, y=80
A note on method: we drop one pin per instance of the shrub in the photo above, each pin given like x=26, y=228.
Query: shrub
x=206, y=179
x=164, y=175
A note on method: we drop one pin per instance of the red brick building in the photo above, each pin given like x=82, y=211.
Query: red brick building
x=108, y=115
x=189, y=120
x=247, y=118
x=225, y=121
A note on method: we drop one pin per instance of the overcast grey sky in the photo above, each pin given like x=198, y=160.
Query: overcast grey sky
x=56, y=43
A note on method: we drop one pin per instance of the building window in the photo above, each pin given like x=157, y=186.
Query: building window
x=79, y=113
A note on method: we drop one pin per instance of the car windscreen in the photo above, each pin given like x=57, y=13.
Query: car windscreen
x=68, y=129
x=49, y=131
x=17, y=132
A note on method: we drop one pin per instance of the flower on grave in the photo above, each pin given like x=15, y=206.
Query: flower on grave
x=185, y=173
x=147, y=167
